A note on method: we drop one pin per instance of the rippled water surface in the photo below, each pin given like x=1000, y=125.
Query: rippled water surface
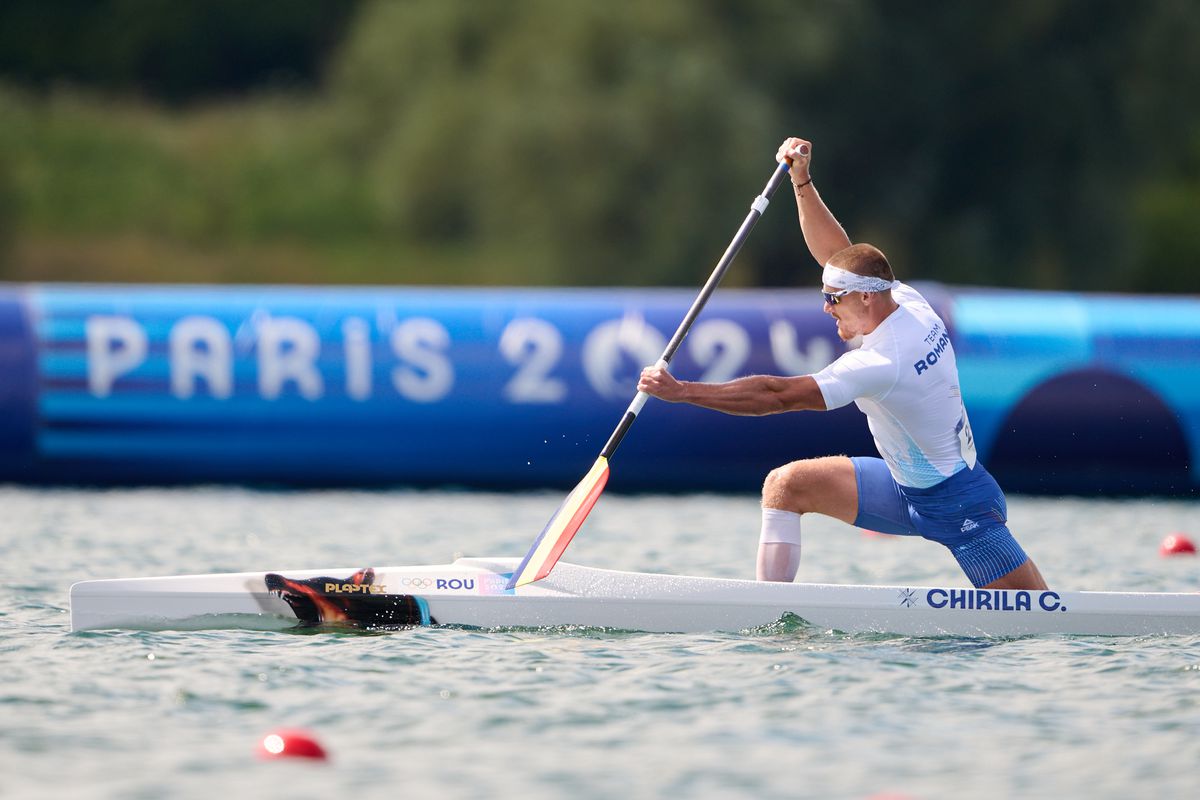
x=784, y=711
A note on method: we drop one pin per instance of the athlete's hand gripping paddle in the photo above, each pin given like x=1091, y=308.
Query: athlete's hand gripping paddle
x=554, y=538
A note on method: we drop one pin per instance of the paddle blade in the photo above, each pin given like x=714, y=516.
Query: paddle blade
x=561, y=528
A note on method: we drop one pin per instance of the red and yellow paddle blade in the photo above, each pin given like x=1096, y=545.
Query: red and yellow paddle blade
x=554, y=538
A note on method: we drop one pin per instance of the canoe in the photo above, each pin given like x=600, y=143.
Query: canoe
x=472, y=592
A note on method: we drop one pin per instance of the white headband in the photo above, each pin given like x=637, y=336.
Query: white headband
x=841, y=279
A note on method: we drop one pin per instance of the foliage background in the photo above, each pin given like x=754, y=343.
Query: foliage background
x=1038, y=143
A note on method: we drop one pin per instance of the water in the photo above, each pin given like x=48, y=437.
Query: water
x=784, y=711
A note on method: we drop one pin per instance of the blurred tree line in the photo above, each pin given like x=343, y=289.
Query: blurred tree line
x=1042, y=143
x=174, y=51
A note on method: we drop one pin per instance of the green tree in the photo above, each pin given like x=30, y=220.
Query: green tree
x=614, y=142
x=7, y=202
x=1027, y=143
x=1042, y=143
x=175, y=51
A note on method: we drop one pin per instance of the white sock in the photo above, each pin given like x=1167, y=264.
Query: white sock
x=778, y=545
x=780, y=526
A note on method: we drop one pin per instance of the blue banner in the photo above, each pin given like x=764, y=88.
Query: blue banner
x=521, y=387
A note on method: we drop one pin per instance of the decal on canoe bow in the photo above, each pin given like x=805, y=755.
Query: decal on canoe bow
x=355, y=600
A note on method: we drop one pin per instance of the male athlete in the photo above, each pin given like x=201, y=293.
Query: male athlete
x=904, y=377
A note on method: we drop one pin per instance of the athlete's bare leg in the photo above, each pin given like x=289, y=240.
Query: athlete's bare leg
x=1025, y=576
x=818, y=485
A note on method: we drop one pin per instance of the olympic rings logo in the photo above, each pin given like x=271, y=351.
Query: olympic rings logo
x=417, y=583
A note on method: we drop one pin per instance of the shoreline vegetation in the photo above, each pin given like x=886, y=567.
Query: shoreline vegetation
x=533, y=143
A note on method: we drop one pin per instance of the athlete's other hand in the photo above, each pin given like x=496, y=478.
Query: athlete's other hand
x=657, y=382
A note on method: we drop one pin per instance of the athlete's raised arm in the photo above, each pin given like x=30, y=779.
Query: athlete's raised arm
x=823, y=234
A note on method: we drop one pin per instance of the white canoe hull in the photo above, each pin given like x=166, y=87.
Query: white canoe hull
x=470, y=592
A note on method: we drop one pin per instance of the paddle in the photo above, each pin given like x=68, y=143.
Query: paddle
x=554, y=538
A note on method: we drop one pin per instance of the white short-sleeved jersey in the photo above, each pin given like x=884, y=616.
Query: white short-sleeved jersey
x=905, y=379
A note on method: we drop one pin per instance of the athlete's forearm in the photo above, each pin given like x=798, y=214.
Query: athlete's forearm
x=754, y=396
x=823, y=234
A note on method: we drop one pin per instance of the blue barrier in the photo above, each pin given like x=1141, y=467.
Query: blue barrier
x=520, y=387
x=1075, y=393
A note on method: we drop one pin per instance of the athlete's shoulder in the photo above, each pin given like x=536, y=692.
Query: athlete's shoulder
x=862, y=372
x=869, y=355
x=906, y=295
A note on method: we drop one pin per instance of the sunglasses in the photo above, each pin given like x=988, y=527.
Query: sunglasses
x=833, y=298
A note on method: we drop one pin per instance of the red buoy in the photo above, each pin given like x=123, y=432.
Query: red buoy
x=1177, y=544
x=291, y=743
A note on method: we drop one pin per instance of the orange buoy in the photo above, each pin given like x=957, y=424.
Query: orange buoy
x=291, y=743
x=1177, y=544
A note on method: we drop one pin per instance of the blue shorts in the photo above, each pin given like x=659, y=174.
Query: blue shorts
x=966, y=512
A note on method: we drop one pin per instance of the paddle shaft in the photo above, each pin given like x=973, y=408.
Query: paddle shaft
x=756, y=210
x=561, y=528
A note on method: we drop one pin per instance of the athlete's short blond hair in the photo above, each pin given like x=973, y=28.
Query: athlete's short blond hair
x=863, y=259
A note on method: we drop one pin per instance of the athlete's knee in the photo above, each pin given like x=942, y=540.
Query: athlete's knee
x=815, y=484
x=785, y=487
x=775, y=482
